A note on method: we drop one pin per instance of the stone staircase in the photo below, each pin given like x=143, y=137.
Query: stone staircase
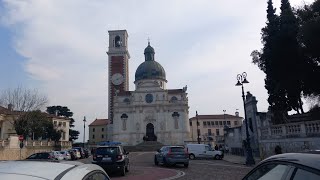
x=144, y=146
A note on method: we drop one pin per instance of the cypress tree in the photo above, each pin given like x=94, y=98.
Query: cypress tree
x=290, y=57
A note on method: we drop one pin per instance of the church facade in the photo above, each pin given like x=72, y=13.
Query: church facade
x=151, y=112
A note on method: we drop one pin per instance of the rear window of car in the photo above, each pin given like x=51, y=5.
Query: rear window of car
x=177, y=149
x=107, y=150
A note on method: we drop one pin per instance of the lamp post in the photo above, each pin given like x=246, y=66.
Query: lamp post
x=198, y=131
x=242, y=80
x=84, y=129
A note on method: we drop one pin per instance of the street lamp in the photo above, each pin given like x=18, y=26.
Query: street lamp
x=84, y=129
x=198, y=131
x=242, y=79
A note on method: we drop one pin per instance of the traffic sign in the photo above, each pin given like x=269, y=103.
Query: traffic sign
x=21, y=138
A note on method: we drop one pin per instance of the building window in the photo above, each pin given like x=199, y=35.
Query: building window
x=228, y=123
x=208, y=123
x=102, y=136
x=93, y=136
x=209, y=132
x=55, y=123
x=217, y=132
x=204, y=123
x=220, y=123
x=93, y=129
x=102, y=129
x=224, y=122
x=199, y=132
x=190, y=123
x=212, y=123
x=60, y=123
x=216, y=123
x=64, y=124
x=63, y=136
x=236, y=123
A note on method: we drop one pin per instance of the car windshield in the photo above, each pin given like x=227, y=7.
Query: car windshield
x=107, y=150
x=177, y=149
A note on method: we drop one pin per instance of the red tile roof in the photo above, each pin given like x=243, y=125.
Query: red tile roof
x=216, y=116
x=99, y=122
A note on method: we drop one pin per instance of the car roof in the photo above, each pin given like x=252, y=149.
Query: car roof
x=45, y=170
x=37, y=169
x=305, y=159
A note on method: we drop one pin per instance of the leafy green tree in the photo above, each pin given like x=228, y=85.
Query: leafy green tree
x=34, y=124
x=65, y=112
x=309, y=36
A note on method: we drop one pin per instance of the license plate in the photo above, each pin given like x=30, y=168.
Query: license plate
x=106, y=159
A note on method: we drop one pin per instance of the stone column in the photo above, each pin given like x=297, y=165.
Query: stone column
x=303, y=132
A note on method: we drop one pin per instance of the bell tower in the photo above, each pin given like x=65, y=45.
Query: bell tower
x=118, y=70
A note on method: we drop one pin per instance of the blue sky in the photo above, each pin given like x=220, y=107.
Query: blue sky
x=59, y=48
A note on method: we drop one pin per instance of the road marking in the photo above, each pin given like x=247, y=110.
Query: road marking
x=222, y=165
x=178, y=175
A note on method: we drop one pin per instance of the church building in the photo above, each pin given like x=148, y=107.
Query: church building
x=151, y=112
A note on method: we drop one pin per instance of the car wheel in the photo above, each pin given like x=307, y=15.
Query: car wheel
x=156, y=161
x=128, y=167
x=217, y=157
x=186, y=165
x=123, y=171
x=191, y=156
x=165, y=162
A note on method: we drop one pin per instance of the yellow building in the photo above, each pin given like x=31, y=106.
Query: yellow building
x=8, y=116
x=211, y=127
x=98, y=131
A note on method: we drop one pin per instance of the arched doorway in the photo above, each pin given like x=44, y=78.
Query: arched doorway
x=150, y=136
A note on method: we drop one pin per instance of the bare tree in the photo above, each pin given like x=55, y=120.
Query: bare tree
x=23, y=99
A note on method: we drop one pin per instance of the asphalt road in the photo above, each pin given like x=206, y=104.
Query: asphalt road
x=142, y=167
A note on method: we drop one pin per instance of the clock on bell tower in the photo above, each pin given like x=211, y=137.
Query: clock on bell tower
x=118, y=70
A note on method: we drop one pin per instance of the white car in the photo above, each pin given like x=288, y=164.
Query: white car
x=203, y=151
x=57, y=155
x=66, y=155
x=36, y=170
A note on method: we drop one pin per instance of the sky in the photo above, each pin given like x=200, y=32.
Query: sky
x=59, y=47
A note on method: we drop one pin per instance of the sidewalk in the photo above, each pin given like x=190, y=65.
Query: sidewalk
x=238, y=159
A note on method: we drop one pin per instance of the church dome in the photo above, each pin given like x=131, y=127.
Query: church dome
x=150, y=69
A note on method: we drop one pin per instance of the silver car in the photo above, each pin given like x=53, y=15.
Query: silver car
x=172, y=155
x=35, y=170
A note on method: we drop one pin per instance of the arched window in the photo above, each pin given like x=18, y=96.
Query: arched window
x=118, y=42
x=126, y=100
x=124, y=118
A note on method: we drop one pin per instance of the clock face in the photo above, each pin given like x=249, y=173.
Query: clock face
x=117, y=79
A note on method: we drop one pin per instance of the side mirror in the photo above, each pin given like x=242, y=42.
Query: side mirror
x=158, y=150
x=127, y=153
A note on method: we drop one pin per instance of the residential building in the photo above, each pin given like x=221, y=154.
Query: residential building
x=211, y=127
x=98, y=131
x=8, y=116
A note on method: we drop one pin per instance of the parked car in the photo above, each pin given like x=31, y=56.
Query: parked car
x=66, y=155
x=57, y=155
x=77, y=152
x=295, y=166
x=203, y=151
x=82, y=154
x=112, y=158
x=65, y=170
x=43, y=156
x=172, y=155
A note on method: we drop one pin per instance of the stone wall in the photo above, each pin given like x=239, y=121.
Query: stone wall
x=289, y=145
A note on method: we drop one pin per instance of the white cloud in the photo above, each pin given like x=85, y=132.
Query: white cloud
x=202, y=44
